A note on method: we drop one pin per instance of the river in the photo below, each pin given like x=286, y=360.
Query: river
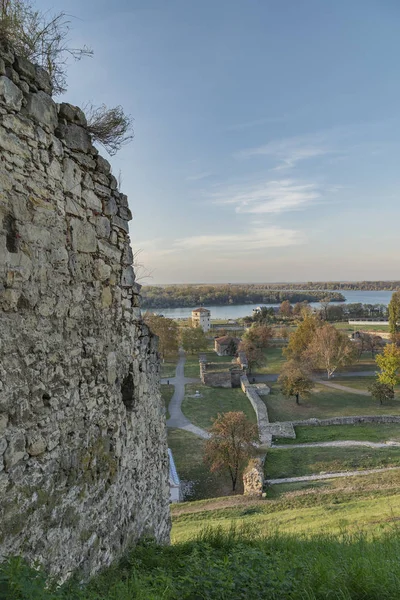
x=236, y=311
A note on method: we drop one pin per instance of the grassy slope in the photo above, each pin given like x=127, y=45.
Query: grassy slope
x=201, y=411
x=295, y=462
x=168, y=367
x=325, y=403
x=167, y=392
x=369, y=502
x=370, y=432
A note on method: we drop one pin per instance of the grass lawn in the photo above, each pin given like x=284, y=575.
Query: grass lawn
x=346, y=327
x=192, y=368
x=199, y=483
x=357, y=383
x=295, y=462
x=201, y=411
x=167, y=392
x=366, y=363
x=369, y=432
x=324, y=403
x=168, y=367
x=274, y=361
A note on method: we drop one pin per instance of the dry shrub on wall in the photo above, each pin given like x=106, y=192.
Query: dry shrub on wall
x=110, y=127
x=41, y=37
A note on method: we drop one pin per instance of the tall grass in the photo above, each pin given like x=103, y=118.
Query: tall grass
x=230, y=565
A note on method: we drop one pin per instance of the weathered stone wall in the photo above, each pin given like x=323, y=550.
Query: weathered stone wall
x=348, y=420
x=260, y=409
x=83, y=455
x=253, y=478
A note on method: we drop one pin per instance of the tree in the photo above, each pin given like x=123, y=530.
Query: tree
x=285, y=309
x=389, y=364
x=324, y=303
x=301, y=337
x=40, y=37
x=254, y=354
x=394, y=313
x=295, y=380
x=232, y=347
x=381, y=391
x=231, y=444
x=259, y=335
x=373, y=343
x=193, y=339
x=329, y=349
x=167, y=332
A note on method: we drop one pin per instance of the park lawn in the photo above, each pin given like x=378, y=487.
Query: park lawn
x=295, y=462
x=168, y=366
x=167, y=391
x=198, y=481
x=192, y=368
x=365, y=363
x=325, y=403
x=346, y=327
x=202, y=411
x=357, y=383
x=274, y=360
x=365, y=432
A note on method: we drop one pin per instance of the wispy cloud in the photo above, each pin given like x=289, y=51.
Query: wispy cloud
x=199, y=176
x=288, y=152
x=269, y=197
x=256, y=123
x=254, y=239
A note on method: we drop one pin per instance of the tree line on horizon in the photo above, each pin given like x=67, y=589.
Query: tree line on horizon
x=190, y=296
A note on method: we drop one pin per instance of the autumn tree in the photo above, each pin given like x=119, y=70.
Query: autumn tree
x=259, y=335
x=295, y=380
x=389, y=364
x=301, y=337
x=231, y=444
x=381, y=391
x=373, y=343
x=285, y=309
x=166, y=330
x=324, y=304
x=193, y=339
x=254, y=354
x=394, y=314
x=329, y=349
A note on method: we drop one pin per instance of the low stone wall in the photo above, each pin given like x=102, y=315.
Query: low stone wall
x=348, y=420
x=282, y=430
x=222, y=379
x=253, y=478
x=260, y=410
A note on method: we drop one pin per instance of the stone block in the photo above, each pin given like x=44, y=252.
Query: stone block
x=127, y=277
x=72, y=114
x=42, y=109
x=15, y=449
x=72, y=178
x=84, y=237
x=110, y=207
x=24, y=67
x=42, y=80
x=92, y=201
x=102, y=270
x=10, y=94
x=75, y=137
x=120, y=223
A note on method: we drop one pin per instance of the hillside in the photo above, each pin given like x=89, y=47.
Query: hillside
x=338, y=539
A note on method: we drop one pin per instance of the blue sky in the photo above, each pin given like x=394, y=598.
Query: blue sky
x=267, y=133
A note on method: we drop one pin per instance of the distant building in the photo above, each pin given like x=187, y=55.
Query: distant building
x=224, y=345
x=174, y=481
x=201, y=318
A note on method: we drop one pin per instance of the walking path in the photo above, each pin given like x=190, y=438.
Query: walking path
x=328, y=476
x=344, y=388
x=177, y=418
x=338, y=444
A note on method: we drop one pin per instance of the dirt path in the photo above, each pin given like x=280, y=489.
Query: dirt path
x=177, y=418
x=338, y=444
x=344, y=388
x=328, y=476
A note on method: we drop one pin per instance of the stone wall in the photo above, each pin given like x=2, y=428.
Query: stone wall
x=83, y=454
x=260, y=409
x=348, y=420
x=253, y=478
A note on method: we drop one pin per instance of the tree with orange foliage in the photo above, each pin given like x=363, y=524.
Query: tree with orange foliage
x=231, y=444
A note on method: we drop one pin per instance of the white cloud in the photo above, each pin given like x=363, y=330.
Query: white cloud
x=288, y=152
x=269, y=197
x=256, y=239
x=199, y=176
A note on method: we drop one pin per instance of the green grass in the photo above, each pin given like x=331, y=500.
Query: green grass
x=295, y=462
x=369, y=432
x=344, y=326
x=324, y=403
x=188, y=450
x=274, y=361
x=167, y=391
x=168, y=367
x=357, y=383
x=192, y=367
x=202, y=411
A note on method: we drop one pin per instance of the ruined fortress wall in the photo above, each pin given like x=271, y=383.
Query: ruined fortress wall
x=83, y=453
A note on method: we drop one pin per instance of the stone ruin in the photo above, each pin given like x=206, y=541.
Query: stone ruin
x=83, y=451
x=253, y=478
